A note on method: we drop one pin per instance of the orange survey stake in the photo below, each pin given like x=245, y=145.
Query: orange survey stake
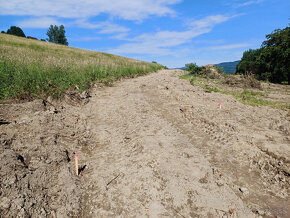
x=77, y=164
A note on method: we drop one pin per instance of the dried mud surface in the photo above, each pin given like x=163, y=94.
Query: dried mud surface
x=152, y=146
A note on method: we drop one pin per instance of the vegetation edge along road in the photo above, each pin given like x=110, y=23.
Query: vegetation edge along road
x=29, y=67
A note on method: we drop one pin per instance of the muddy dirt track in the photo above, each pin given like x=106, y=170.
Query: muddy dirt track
x=152, y=146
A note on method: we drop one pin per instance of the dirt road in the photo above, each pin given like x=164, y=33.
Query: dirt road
x=156, y=146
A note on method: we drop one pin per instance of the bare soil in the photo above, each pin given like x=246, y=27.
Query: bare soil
x=152, y=146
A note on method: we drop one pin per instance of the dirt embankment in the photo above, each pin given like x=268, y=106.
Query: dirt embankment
x=151, y=146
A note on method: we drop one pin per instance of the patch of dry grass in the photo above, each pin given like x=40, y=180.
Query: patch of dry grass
x=245, y=89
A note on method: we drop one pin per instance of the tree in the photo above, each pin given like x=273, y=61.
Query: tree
x=52, y=33
x=16, y=31
x=57, y=35
x=61, y=36
x=250, y=63
x=2, y=31
x=272, y=60
x=277, y=55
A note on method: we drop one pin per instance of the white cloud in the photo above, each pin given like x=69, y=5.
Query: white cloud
x=120, y=36
x=210, y=21
x=105, y=27
x=44, y=22
x=88, y=38
x=246, y=3
x=125, y=9
x=231, y=46
x=41, y=22
x=155, y=44
x=159, y=43
x=113, y=28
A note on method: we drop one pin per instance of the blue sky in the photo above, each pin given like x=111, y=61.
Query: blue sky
x=171, y=32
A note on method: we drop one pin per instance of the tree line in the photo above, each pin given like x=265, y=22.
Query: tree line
x=271, y=61
x=56, y=34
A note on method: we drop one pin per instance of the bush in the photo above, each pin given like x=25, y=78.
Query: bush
x=192, y=68
x=16, y=31
x=220, y=70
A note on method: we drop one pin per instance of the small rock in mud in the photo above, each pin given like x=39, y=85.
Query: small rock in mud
x=260, y=212
x=244, y=190
x=4, y=203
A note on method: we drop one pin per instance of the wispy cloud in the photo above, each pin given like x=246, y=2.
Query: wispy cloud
x=125, y=9
x=230, y=46
x=39, y=22
x=160, y=43
x=247, y=3
x=88, y=38
x=105, y=27
x=210, y=21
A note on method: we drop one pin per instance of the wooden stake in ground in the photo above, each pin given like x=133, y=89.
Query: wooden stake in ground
x=77, y=164
x=220, y=104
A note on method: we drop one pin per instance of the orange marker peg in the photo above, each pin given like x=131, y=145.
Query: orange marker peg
x=220, y=104
x=77, y=164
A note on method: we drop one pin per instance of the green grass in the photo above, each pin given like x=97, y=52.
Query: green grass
x=246, y=97
x=211, y=89
x=30, y=67
x=250, y=98
x=200, y=81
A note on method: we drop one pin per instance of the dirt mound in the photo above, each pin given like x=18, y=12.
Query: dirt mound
x=243, y=81
x=211, y=71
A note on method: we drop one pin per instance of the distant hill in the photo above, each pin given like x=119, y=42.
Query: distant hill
x=229, y=67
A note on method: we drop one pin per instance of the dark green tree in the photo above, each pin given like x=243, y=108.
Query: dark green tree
x=250, y=63
x=276, y=55
x=270, y=62
x=2, y=31
x=56, y=35
x=61, y=36
x=16, y=31
x=52, y=33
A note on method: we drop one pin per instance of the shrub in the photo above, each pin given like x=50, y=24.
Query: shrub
x=220, y=70
x=192, y=68
x=16, y=31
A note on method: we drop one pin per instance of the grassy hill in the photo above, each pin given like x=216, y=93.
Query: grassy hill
x=30, y=67
x=229, y=67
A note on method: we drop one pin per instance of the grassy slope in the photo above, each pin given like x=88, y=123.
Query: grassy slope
x=29, y=67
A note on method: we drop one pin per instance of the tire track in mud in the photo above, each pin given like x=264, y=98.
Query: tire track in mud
x=154, y=146
x=229, y=150
x=159, y=169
